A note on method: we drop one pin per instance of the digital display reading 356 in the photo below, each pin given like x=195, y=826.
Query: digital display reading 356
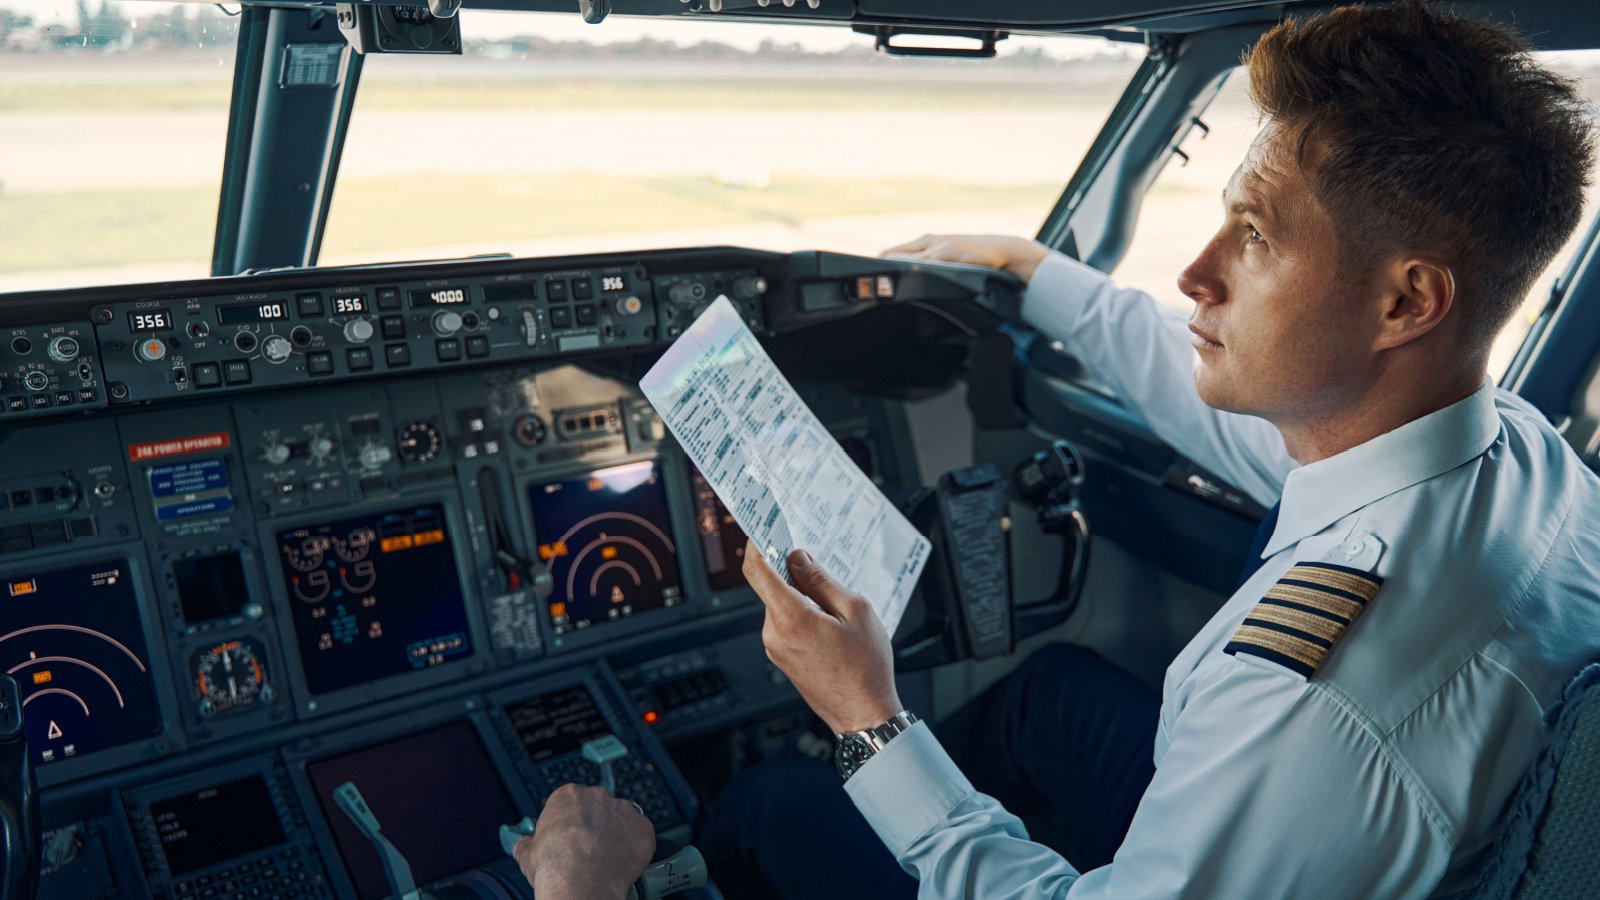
x=374, y=596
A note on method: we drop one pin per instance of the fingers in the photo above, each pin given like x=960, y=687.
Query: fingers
x=910, y=247
x=814, y=581
x=781, y=600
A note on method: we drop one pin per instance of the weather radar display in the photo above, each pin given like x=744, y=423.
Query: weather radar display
x=72, y=640
x=605, y=538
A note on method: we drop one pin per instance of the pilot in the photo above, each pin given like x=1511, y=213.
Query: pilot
x=1354, y=720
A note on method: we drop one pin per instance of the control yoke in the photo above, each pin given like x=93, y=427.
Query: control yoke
x=19, y=801
x=680, y=869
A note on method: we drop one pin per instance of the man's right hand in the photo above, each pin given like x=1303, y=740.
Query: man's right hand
x=1016, y=255
x=588, y=845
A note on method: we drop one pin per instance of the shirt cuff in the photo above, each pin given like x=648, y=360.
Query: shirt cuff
x=908, y=788
x=1057, y=294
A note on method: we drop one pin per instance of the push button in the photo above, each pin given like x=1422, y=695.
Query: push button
x=477, y=345
x=64, y=398
x=556, y=290
x=394, y=328
x=310, y=305
x=586, y=315
x=449, y=350
x=86, y=395
x=40, y=401
x=236, y=371
x=206, y=375
x=582, y=289
x=319, y=363
x=16, y=404
x=397, y=355
x=360, y=358
x=561, y=318
x=388, y=299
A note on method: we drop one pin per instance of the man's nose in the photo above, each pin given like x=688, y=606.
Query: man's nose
x=1200, y=281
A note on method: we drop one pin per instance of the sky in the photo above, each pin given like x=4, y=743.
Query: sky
x=485, y=24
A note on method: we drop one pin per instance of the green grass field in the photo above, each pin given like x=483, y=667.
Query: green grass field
x=369, y=216
x=410, y=93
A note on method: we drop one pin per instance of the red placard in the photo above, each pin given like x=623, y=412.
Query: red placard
x=178, y=446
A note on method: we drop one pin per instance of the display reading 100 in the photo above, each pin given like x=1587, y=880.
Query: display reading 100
x=241, y=313
x=150, y=320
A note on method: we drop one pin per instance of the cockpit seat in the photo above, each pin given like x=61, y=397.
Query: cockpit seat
x=1550, y=849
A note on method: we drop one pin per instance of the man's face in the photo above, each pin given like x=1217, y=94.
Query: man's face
x=1281, y=333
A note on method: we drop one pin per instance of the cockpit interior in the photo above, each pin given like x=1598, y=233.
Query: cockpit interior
x=325, y=460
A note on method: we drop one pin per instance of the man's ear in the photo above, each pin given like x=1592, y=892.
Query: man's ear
x=1418, y=293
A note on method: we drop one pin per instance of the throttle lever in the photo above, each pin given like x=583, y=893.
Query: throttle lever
x=681, y=870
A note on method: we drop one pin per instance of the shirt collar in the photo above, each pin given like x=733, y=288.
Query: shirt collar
x=1326, y=491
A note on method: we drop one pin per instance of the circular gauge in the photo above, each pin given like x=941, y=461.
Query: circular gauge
x=530, y=430
x=355, y=546
x=230, y=676
x=306, y=555
x=420, y=442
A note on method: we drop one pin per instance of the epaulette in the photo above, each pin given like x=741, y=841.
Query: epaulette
x=1301, y=617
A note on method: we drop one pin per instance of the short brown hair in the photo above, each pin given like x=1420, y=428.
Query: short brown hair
x=1435, y=134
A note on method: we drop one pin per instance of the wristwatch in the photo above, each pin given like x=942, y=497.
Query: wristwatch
x=854, y=748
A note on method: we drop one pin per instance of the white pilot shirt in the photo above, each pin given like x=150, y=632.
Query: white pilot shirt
x=1387, y=771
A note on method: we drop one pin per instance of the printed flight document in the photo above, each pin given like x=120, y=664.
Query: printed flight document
x=786, y=480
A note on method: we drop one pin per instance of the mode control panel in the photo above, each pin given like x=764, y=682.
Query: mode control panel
x=189, y=346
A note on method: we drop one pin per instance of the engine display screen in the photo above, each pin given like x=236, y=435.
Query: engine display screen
x=216, y=824
x=557, y=723
x=374, y=596
x=604, y=537
x=721, y=539
x=71, y=638
x=436, y=795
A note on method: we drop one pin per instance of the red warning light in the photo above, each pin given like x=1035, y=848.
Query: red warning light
x=651, y=717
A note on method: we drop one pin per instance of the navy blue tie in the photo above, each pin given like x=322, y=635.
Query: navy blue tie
x=1253, y=562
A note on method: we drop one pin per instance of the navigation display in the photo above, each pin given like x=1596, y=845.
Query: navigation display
x=374, y=596
x=216, y=824
x=71, y=638
x=721, y=539
x=557, y=723
x=436, y=795
x=605, y=538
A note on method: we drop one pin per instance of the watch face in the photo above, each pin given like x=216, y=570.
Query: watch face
x=850, y=754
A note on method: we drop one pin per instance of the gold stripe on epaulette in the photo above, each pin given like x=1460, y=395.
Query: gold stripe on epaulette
x=1310, y=623
x=1344, y=581
x=1288, y=645
x=1343, y=607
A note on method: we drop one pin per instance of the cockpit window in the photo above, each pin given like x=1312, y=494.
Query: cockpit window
x=554, y=137
x=1180, y=211
x=112, y=124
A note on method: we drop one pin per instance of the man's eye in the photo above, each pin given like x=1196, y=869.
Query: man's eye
x=1254, y=237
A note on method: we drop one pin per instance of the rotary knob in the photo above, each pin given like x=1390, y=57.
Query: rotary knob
x=276, y=348
x=749, y=287
x=373, y=455
x=152, y=349
x=64, y=349
x=322, y=447
x=629, y=306
x=358, y=331
x=276, y=453
x=446, y=322
x=36, y=380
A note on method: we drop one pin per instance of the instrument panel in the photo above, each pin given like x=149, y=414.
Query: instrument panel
x=400, y=526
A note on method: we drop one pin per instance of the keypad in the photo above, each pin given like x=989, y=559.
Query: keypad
x=283, y=873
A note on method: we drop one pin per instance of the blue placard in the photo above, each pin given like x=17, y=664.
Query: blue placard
x=183, y=478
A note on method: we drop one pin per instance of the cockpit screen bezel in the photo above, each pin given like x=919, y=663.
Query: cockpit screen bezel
x=691, y=574
x=313, y=705
x=170, y=737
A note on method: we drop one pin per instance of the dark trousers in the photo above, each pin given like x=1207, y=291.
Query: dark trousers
x=1065, y=740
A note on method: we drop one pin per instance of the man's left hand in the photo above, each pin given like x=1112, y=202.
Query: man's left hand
x=828, y=640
